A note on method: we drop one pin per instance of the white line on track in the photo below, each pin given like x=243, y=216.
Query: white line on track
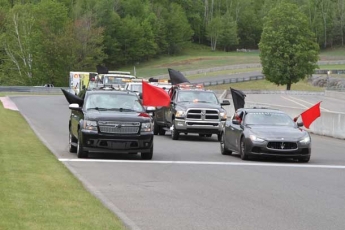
x=307, y=102
x=292, y=165
x=294, y=102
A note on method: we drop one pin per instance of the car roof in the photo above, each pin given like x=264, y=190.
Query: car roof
x=105, y=91
x=260, y=110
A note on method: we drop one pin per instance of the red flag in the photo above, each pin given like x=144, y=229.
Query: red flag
x=310, y=115
x=154, y=96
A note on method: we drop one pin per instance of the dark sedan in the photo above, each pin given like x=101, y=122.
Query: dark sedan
x=265, y=132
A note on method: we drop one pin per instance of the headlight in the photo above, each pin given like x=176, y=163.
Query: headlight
x=305, y=140
x=90, y=125
x=180, y=113
x=223, y=115
x=146, y=127
x=255, y=138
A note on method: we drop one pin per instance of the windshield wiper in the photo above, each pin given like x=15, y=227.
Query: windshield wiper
x=97, y=108
x=121, y=109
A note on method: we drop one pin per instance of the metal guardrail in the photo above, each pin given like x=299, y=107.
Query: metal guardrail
x=32, y=89
x=57, y=90
x=333, y=71
x=232, y=80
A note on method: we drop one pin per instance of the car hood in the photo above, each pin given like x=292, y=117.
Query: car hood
x=117, y=116
x=278, y=132
x=188, y=105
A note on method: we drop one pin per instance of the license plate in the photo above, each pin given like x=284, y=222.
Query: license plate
x=118, y=145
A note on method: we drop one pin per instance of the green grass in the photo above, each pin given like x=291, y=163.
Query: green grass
x=223, y=72
x=39, y=192
x=201, y=57
x=338, y=67
x=195, y=57
x=337, y=53
x=266, y=85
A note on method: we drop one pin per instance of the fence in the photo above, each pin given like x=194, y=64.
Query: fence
x=32, y=89
x=231, y=80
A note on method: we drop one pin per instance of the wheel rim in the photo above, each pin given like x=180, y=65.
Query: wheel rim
x=70, y=140
x=78, y=147
x=172, y=130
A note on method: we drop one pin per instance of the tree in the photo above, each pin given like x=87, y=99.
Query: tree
x=228, y=37
x=213, y=30
x=288, y=48
x=179, y=31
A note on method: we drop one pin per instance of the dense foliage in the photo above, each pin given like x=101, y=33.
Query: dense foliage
x=42, y=40
x=288, y=48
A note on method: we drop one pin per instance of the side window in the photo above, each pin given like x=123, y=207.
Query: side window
x=174, y=94
x=238, y=116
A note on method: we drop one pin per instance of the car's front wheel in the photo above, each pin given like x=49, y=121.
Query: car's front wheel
x=223, y=149
x=174, y=133
x=147, y=155
x=155, y=128
x=80, y=148
x=243, y=154
x=72, y=140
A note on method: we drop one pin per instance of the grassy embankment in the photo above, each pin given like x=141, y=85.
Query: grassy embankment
x=39, y=192
x=201, y=57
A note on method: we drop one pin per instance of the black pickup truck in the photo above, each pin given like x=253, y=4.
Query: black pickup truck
x=110, y=121
x=193, y=109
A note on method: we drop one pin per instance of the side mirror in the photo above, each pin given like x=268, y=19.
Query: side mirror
x=225, y=102
x=300, y=124
x=75, y=107
x=141, y=95
x=236, y=122
x=150, y=109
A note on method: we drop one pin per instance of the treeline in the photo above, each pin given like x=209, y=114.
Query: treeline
x=42, y=40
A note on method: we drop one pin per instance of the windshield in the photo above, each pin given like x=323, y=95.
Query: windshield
x=113, y=80
x=264, y=118
x=104, y=101
x=136, y=88
x=197, y=97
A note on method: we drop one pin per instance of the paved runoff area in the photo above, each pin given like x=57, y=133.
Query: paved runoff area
x=190, y=185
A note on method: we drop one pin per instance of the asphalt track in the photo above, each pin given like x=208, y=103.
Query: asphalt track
x=190, y=185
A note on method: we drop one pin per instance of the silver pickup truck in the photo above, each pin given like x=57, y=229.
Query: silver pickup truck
x=192, y=110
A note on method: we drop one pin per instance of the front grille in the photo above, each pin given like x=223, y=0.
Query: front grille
x=202, y=114
x=282, y=145
x=202, y=123
x=119, y=127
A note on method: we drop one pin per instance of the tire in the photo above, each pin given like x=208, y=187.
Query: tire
x=243, y=154
x=72, y=139
x=155, y=128
x=304, y=159
x=147, y=155
x=174, y=134
x=161, y=131
x=223, y=149
x=219, y=137
x=80, y=148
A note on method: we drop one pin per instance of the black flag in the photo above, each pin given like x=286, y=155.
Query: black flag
x=102, y=69
x=177, y=77
x=238, y=98
x=71, y=98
